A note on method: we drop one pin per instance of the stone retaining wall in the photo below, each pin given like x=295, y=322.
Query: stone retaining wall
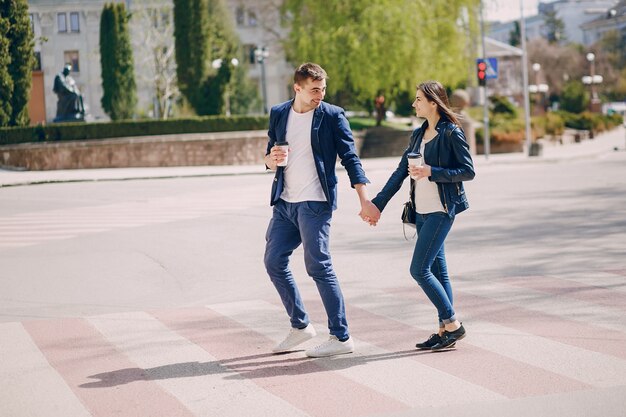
x=224, y=148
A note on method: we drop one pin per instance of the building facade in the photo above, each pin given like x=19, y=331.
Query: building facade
x=573, y=13
x=613, y=19
x=68, y=31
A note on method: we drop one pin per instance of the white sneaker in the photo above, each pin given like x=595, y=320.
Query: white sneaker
x=331, y=347
x=294, y=338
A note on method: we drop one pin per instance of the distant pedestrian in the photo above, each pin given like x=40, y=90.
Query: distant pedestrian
x=379, y=104
x=438, y=196
x=304, y=195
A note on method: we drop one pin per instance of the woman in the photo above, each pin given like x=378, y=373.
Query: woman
x=439, y=197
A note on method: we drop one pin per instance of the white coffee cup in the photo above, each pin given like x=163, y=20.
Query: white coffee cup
x=415, y=160
x=285, y=147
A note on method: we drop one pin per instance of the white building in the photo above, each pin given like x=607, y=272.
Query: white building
x=613, y=19
x=573, y=14
x=71, y=29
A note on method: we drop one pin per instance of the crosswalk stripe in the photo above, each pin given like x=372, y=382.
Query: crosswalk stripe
x=29, y=387
x=570, y=289
x=588, y=367
x=559, y=329
x=393, y=369
x=190, y=373
x=532, y=300
x=320, y=392
x=470, y=363
x=98, y=374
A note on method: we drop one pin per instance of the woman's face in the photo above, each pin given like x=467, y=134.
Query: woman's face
x=423, y=107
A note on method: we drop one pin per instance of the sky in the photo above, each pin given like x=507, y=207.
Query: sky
x=505, y=10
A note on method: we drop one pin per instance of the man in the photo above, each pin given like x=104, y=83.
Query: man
x=304, y=195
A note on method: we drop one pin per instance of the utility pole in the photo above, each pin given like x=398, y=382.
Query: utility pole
x=525, y=76
x=487, y=140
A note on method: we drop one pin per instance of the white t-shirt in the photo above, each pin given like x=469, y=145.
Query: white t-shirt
x=301, y=180
x=426, y=193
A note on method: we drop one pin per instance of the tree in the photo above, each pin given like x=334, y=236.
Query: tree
x=6, y=83
x=368, y=46
x=555, y=27
x=192, y=48
x=21, y=58
x=515, y=36
x=119, y=96
x=559, y=63
x=153, y=22
x=574, y=99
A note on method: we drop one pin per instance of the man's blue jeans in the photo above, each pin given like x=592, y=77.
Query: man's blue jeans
x=307, y=223
x=428, y=266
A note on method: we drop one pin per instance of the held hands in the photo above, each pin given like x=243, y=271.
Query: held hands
x=369, y=213
x=419, y=172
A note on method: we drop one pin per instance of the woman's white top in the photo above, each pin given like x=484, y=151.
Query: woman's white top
x=426, y=192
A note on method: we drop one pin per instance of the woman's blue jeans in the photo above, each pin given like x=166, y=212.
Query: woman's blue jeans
x=306, y=223
x=428, y=266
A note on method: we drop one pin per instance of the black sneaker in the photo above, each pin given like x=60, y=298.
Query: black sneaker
x=448, y=339
x=428, y=344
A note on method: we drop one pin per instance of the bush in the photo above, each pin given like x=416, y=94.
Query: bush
x=573, y=98
x=503, y=106
x=125, y=128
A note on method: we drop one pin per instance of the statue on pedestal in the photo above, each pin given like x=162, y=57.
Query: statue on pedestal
x=70, y=104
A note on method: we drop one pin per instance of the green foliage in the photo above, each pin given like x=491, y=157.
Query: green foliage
x=243, y=94
x=368, y=46
x=192, y=48
x=203, y=35
x=126, y=128
x=515, y=36
x=502, y=106
x=119, y=96
x=555, y=27
x=6, y=83
x=404, y=103
x=574, y=98
x=22, y=58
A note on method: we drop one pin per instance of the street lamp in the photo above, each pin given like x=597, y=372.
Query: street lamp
x=217, y=64
x=261, y=54
x=592, y=80
x=539, y=89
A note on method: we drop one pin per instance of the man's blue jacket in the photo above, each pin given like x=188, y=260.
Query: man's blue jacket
x=330, y=137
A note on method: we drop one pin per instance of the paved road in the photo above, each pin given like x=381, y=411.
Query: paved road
x=148, y=298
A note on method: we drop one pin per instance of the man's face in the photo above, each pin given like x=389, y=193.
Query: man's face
x=310, y=94
x=66, y=70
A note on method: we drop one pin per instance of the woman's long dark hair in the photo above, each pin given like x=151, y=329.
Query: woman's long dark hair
x=435, y=92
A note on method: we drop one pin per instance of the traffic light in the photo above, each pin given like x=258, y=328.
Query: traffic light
x=481, y=72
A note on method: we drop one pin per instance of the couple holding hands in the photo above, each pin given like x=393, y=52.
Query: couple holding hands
x=304, y=195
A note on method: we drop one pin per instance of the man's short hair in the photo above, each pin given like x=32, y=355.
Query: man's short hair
x=309, y=70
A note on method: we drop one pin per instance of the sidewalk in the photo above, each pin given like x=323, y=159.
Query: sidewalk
x=604, y=143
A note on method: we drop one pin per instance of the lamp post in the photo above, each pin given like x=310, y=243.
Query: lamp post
x=591, y=80
x=261, y=54
x=525, y=78
x=217, y=64
x=539, y=90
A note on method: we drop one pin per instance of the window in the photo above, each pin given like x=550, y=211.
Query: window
x=74, y=22
x=240, y=16
x=252, y=20
x=62, y=22
x=32, y=22
x=71, y=57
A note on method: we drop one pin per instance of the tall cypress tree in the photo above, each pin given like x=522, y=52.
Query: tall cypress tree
x=116, y=59
x=108, y=41
x=21, y=58
x=192, y=50
x=6, y=83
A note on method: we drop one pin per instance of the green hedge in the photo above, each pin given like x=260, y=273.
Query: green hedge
x=125, y=128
